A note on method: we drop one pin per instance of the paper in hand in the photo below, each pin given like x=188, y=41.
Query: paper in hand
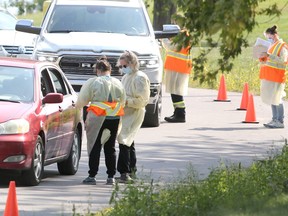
x=261, y=46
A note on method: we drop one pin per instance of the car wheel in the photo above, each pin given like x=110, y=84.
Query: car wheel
x=33, y=176
x=70, y=165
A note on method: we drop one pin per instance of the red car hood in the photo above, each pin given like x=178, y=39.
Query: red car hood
x=10, y=110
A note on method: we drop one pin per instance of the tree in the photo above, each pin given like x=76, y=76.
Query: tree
x=222, y=24
x=162, y=13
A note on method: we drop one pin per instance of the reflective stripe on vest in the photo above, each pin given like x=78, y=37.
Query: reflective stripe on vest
x=275, y=50
x=272, y=70
x=178, y=61
x=106, y=109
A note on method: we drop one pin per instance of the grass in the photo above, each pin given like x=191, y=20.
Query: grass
x=230, y=189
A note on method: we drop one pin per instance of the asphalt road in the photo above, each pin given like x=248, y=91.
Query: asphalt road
x=213, y=133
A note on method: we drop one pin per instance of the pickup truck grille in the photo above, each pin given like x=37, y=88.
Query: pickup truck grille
x=85, y=65
x=19, y=49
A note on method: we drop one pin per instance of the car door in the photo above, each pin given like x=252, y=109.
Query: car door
x=53, y=118
x=68, y=111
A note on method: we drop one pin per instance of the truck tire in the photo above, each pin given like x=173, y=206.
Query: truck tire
x=154, y=119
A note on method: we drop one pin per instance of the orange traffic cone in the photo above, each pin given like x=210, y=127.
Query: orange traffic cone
x=250, y=113
x=11, y=208
x=222, y=95
x=245, y=97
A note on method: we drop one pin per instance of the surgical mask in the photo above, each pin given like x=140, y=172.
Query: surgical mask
x=126, y=70
x=271, y=40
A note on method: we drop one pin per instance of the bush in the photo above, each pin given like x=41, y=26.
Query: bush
x=230, y=189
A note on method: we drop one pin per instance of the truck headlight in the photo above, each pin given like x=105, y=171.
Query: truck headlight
x=16, y=126
x=46, y=57
x=149, y=63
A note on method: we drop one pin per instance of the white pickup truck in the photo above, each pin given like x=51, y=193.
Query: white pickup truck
x=75, y=33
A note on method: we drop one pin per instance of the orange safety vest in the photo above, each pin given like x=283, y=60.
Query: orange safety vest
x=178, y=61
x=272, y=70
x=106, y=109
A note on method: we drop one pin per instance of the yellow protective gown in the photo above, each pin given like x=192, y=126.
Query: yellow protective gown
x=97, y=90
x=137, y=87
x=272, y=93
x=175, y=82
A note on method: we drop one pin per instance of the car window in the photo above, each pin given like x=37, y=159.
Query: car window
x=16, y=84
x=58, y=81
x=107, y=19
x=46, y=84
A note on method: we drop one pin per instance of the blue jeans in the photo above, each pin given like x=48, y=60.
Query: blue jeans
x=278, y=112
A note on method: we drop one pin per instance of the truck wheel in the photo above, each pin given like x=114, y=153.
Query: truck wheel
x=70, y=165
x=153, y=119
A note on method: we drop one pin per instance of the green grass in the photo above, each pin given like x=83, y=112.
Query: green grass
x=230, y=189
x=36, y=17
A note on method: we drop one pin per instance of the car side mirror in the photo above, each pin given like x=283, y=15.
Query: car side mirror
x=53, y=98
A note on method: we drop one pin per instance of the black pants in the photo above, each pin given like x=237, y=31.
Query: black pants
x=176, y=98
x=109, y=150
x=126, y=159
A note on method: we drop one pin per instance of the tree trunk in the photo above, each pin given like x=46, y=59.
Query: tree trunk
x=162, y=14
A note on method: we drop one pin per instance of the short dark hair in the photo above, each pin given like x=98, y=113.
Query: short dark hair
x=102, y=64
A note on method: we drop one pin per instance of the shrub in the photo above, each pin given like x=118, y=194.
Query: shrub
x=230, y=188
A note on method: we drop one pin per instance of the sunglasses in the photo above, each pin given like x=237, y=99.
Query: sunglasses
x=122, y=66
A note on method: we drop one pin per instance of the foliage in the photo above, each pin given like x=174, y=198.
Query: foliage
x=23, y=6
x=40, y=4
x=222, y=24
x=230, y=189
x=162, y=13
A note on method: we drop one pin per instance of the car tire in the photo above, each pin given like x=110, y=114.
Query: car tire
x=70, y=165
x=33, y=176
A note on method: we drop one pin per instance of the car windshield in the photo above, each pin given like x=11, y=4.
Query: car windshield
x=106, y=19
x=16, y=84
x=7, y=21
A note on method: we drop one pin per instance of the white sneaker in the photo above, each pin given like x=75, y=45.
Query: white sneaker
x=110, y=181
x=268, y=125
x=275, y=124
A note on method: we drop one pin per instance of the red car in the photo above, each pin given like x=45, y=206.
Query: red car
x=39, y=124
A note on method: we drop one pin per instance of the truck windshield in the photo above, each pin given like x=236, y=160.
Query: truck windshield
x=105, y=19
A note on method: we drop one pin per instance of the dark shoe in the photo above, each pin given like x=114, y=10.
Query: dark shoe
x=175, y=119
x=179, y=116
x=89, y=181
x=167, y=118
x=125, y=178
